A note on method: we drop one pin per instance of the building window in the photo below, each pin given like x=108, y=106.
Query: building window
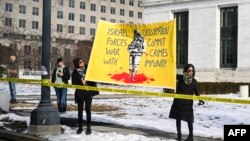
x=39, y=50
x=139, y=15
x=71, y=29
x=131, y=2
x=112, y=20
x=67, y=52
x=55, y=51
x=93, y=7
x=59, y=28
x=139, y=3
x=92, y=31
x=112, y=0
x=59, y=14
x=121, y=21
x=112, y=10
x=181, y=38
x=122, y=12
x=92, y=19
x=82, y=30
x=36, y=0
x=34, y=24
x=60, y=2
x=228, y=37
x=8, y=7
x=131, y=13
x=27, y=61
x=103, y=9
x=22, y=9
x=35, y=11
x=8, y=22
x=14, y=47
x=82, y=5
x=27, y=49
x=71, y=16
x=72, y=3
x=22, y=23
x=82, y=18
x=122, y=1
x=102, y=18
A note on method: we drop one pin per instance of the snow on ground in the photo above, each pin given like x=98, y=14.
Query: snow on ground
x=70, y=135
x=27, y=89
x=13, y=117
x=152, y=113
x=32, y=89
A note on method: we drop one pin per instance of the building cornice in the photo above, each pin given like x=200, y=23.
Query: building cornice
x=162, y=3
x=151, y=3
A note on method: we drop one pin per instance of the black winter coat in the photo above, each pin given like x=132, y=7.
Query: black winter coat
x=182, y=109
x=65, y=77
x=80, y=94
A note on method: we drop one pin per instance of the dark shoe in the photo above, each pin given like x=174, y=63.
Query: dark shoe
x=64, y=109
x=88, y=131
x=79, y=131
x=13, y=101
x=190, y=138
x=178, y=137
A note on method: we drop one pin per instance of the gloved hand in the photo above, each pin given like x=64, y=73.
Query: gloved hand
x=201, y=102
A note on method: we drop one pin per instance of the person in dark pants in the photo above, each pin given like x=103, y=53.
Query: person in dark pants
x=182, y=109
x=81, y=96
x=61, y=75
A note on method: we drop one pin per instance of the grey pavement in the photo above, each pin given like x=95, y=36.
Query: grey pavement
x=71, y=97
x=12, y=136
x=121, y=129
x=108, y=127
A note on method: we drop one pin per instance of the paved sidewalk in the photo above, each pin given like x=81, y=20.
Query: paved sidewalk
x=13, y=136
x=71, y=97
x=107, y=127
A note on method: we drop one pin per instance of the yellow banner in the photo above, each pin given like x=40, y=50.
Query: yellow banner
x=143, y=54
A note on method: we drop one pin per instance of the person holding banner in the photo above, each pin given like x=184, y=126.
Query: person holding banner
x=12, y=72
x=61, y=75
x=81, y=96
x=182, y=109
x=136, y=49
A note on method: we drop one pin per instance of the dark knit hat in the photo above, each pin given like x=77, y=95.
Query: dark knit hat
x=59, y=60
x=76, y=62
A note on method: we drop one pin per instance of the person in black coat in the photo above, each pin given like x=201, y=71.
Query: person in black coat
x=81, y=96
x=61, y=75
x=182, y=109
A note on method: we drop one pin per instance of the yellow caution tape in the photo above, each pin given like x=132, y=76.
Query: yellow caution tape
x=20, y=80
x=47, y=82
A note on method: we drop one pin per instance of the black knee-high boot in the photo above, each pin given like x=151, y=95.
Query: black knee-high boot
x=178, y=127
x=88, y=114
x=190, y=128
x=80, y=111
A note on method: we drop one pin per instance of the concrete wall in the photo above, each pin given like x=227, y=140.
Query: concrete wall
x=244, y=36
x=204, y=35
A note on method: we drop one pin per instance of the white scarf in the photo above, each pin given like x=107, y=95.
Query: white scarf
x=187, y=79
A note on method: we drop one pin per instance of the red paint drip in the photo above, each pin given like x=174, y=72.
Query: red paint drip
x=124, y=77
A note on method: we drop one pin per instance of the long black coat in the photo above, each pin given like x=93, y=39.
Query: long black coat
x=81, y=94
x=182, y=109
